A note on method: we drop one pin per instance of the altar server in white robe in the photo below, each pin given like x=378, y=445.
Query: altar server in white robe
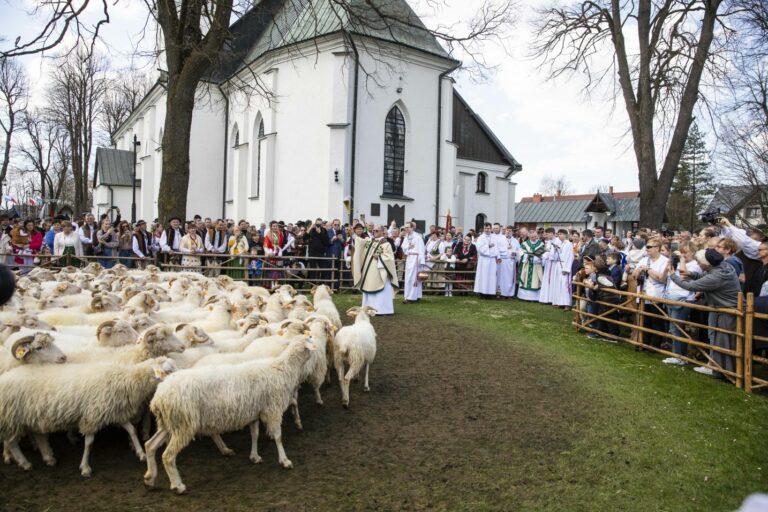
x=560, y=291
x=507, y=274
x=487, y=263
x=549, y=263
x=415, y=260
x=373, y=270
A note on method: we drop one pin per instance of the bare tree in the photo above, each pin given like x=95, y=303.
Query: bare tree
x=14, y=94
x=552, y=186
x=47, y=154
x=74, y=102
x=122, y=96
x=658, y=73
x=194, y=35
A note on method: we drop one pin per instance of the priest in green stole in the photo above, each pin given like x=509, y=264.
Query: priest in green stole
x=373, y=270
x=531, y=268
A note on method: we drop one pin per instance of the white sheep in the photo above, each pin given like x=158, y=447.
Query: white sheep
x=219, y=317
x=198, y=345
x=271, y=308
x=210, y=402
x=299, y=308
x=156, y=341
x=53, y=398
x=355, y=346
x=30, y=347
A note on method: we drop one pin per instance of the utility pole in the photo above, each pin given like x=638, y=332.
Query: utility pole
x=136, y=144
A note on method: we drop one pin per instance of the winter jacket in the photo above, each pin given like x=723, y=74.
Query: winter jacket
x=720, y=285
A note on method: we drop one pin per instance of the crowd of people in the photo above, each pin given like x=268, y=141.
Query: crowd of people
x=710, y=267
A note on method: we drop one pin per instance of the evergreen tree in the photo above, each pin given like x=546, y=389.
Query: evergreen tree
x=694, y=184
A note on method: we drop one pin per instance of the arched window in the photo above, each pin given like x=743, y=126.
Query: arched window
x=394, y=152
x=482, y=182
x=479, y=222
x=255, y=182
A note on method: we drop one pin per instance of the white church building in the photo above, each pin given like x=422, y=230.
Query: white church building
x=358, y=120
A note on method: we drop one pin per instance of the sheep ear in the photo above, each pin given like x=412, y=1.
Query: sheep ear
x=370, y=311
x=180, y=327
x=353, y=311
x=313, y=290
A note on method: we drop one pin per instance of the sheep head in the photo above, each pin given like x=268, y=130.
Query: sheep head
x=48, y=303
x=66, y=289
x=193, y=335
x=38, y=348
x=291, y=328
x=105, y=302
x=163, y=367
x=142, y=321
x=93, y=268
x=116, y=333
x=29, y=321
x=160, y=340
x=130, y=291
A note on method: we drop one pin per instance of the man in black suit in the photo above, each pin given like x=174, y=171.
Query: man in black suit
x=588, y=247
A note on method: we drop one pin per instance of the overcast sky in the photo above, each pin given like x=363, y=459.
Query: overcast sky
x=550, y=127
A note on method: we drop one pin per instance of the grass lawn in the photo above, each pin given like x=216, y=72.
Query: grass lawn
x=654, y=437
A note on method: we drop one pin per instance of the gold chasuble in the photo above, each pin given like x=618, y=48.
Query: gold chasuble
x=372, y=264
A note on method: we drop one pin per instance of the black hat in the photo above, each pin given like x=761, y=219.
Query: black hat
x=173, y=218
x=140, y=222
x=713, y=257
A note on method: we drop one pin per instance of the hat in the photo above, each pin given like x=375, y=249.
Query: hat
x=140, y=222
x=173, y=219
x=639, y=243
x=709, y=257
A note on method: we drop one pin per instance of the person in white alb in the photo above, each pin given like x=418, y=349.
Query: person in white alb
x=548, y=260
x=487, y=262
x=562, y=261
x=415, y=260
x=507, y=273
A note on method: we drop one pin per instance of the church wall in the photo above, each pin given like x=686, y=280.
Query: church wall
x=417, y=99
x=494, y=204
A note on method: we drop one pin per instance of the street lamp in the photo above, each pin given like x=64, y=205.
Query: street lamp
x=136, y=144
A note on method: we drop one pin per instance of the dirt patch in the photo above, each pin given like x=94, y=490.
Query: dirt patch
x=453, y=421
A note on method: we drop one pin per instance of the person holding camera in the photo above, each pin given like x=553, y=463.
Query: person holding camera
x=652, y=273
x=684, y=262
x=721, y=288
x=317, y=243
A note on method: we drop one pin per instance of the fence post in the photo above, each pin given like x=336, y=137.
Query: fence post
x=740, y=342
x=641, y=322
x=748, y=321
x=577, y=307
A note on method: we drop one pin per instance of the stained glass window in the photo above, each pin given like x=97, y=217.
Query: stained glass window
x=394, y=152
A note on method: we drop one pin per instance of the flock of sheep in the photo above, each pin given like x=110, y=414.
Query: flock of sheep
x=86, y=349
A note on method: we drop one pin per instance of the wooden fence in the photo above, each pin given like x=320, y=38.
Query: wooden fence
x=738, y=354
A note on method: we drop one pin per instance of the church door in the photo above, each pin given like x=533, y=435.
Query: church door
x=396, y=213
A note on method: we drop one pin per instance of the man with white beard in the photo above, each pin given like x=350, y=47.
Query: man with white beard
x=373, y=269
x=415, y=259
x=507, y=278
x=487, y=263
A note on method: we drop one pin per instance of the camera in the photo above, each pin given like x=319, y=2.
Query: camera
x=710, y=217
x=675, y=261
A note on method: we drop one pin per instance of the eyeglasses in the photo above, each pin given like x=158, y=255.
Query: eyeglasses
x=652, y=246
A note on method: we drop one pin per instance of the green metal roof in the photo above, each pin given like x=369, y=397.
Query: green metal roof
x=573, y=211
x=274, y=24
x=115, y=166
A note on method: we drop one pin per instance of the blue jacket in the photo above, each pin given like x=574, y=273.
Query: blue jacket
x=48, y=240
x=336, y=248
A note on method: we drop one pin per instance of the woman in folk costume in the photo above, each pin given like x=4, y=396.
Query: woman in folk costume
x=275, y=241
x=67, y=243
x=549, y=261
x=487, y=262
x=434, y=248
x=190, y=247
x=530, y=267
x=26, y=242
x=562, y=260
x=238, y=245
x=415, y=259
x=374, y=272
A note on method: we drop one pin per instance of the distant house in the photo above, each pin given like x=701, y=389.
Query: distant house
x=741, y=204
x=618, y=211
x=113, y=181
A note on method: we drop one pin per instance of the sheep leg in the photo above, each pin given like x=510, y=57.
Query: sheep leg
x=295, y=409
x=275, y=432
x=146, y=425
x=17, y=454
x=318, y=396
x=137, y=449
x=254, y=457
x=151, y=448
x=366, y=387
x=7, y=456
x=85, y=467
x=45, y=448
x=223, y=448
x=175, y=445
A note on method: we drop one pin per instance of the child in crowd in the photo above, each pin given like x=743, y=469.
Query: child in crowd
x=450, y=263
x=255, y=266
x=613, y=260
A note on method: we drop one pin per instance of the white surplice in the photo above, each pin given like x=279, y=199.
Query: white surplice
x=560, y=292
x=413, y=248
x=546, y=278
x=506, y=275
x=485, y=276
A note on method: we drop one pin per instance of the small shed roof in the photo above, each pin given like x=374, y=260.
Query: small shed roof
x=114, y=167
x=556, y=212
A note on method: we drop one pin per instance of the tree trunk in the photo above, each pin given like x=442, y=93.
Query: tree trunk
x=174, y=180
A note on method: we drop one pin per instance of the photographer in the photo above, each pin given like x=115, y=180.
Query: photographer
x=317, y=246
x=720, y=285
x=749, y=246
x=652, y=273
x=685, y=262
